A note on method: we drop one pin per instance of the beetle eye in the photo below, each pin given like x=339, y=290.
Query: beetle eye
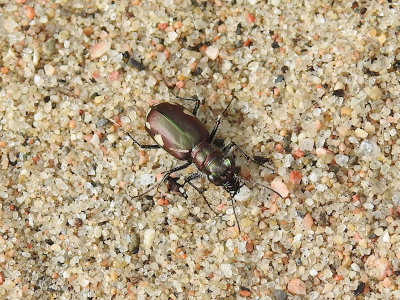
x=227, y=162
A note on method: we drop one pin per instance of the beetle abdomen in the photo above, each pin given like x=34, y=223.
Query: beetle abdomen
x=175, y=129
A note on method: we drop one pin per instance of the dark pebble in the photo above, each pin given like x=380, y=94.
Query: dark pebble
x=101, y=122
x=275, y=45
x=280, y=295
x=279, y=78
x=338, y=93
x=359, y=289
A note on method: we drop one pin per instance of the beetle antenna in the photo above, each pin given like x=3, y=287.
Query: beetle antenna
x=262, y=185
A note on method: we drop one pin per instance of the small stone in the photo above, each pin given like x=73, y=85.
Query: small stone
x=280, y=187
x=382, y=38
x=297, y=287
x=327, y=288
x=226, y=269
x=275, y=2
x=313, y=272
x=212, y=52
x=83, y=281
x=308, y=221
x=244, y=194
x=387, y=282
x=307, y=144
x=99, y=49
x=341, y=160
x=366, y=148
x=172, y=36
x=146, y=179
x=38, y=80
x=280, y=295
x=369, y=127
x=134, y=244
x=295, y=177
x=375, y=93
x=29, y=12
x=386, y=237
x=97, y=232
x=361, y=133
x=49, y=69
x=359, y=289
x=377, y=266
x=148, y=238
x=368, y=206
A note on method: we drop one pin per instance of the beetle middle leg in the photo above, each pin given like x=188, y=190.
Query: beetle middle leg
x=166, y=175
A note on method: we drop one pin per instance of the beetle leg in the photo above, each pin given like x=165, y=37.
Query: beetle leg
x=195, y=99
x=188, y=180
x=214, y=131
x=141, y=145
x=132, y=138
x=257, y=159
x=166, y=175
x=234, y=208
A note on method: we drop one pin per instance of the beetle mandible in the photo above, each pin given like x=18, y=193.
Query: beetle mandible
x=179, y=132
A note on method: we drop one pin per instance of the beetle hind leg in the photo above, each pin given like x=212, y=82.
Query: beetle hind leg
x=133, y=139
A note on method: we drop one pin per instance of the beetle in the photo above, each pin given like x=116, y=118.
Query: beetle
x=179, y=132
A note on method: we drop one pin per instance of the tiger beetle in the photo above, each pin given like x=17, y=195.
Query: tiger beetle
x=179, y=132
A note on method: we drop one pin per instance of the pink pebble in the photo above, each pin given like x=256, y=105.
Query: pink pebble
x=220, y=207
x=296, y=286
x=308, y=221
x=29, y=12
x=113, y=76
x=317, y=124
x=280, y=187
x=377, y=266
x=295, y=177
x=180, y=84
x=99, y=49
x=322, y=151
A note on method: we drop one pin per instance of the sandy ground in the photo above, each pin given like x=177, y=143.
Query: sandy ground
x=317, y=91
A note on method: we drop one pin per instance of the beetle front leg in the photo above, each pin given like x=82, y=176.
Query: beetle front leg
x=214, y=131
x=188, y=180
x=257, y=159
x=195, y=99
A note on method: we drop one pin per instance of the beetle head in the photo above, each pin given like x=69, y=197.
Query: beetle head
x=221, y=170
